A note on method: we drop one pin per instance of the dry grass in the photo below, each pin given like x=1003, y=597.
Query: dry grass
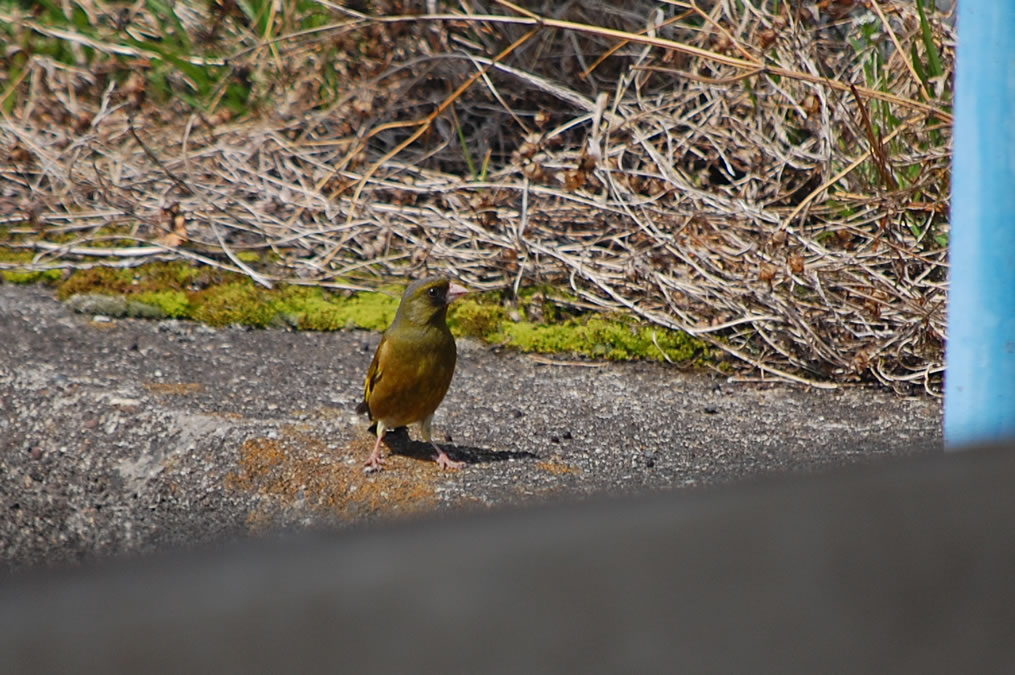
x=771, y=179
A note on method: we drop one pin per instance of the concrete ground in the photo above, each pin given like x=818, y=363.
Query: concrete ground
x=898, y=567
x=128, y=436
x=751, y=548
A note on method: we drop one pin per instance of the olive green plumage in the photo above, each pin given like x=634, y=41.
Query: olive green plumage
x=413, y=365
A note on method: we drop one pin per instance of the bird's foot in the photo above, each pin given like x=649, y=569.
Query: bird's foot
x=374, y=463
x=445, y=462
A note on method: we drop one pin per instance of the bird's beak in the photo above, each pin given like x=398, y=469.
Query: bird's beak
x=455, y=291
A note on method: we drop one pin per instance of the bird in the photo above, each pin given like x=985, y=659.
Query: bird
x=413, y=366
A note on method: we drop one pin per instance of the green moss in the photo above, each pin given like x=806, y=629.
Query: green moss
x=11, y=255
x=173, y=304
x=555, y=329
x=180, y=276
x=613, y=338
x=471, y=318
x=248, y=256
x=547, y=339
x=206, y=294
x=308, y=308
x=220, y=298
x=17, y=277
x=24, y=276
x=31, y=277
x=104, y=280
x=315, y=309
x=239, y=302
x=372, y=311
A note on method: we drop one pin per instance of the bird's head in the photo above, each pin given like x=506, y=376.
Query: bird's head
x=426, y=301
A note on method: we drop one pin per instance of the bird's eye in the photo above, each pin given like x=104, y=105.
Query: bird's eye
x=433, y=291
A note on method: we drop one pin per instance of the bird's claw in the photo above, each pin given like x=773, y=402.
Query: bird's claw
x=445, y=462
x=374, y=463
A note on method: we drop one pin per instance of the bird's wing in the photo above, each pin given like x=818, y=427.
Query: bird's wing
x=373, y=376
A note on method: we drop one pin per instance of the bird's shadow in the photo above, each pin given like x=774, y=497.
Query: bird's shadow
x=399, y=443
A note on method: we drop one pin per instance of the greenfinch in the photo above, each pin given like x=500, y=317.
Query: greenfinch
x=413, y=365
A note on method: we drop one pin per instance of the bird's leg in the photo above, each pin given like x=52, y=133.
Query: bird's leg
x=374, y=462
x=442, y=459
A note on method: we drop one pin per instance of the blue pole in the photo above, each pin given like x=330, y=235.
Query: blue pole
x=980, y=377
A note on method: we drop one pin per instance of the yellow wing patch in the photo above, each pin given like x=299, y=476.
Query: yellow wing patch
x=374, y=374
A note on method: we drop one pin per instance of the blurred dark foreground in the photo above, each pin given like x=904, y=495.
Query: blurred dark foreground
x=904, y=567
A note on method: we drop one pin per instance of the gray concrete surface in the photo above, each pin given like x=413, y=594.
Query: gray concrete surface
x=128, y=436
x=904, y=567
